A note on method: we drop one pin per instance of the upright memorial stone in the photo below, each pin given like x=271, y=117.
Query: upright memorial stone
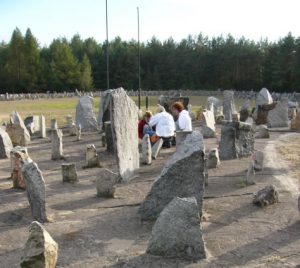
x=42, y=127
x=57, y=146
x=182, y=176
x=85, y=114
x=228, y=105
x=208, y=127
x=35, y=188
x=104, y=108
x=125, y=133
x=264, y=104
x=279, y=117
x=5, y=144
x=146, y=150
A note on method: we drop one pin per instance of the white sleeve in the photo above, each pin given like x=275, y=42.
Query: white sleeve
x=182, y=122
x=154, y=120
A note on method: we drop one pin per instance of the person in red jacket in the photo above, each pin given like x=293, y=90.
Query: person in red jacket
x=143, y=125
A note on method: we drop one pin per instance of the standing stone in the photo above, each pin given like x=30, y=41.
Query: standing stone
x=264, y=104
x=105, y=183
x=156, y=148
x=32, y=124
x=42, y=127
x=18, y=135
x=245, y=111
x=56, y=144
x=5, y=144
x=262, y=132
x=279, y=117
x=125, y=133
x=103, y=140
x=208, y=128
x=146, y=150
x=237, y=140
x=85, y=114
x=73, y=130
x=228, y=105
x=215, y=105
x=109, y=138
x=69, y=173
x=182, y=176
x=53, y=124
x=91, y=157
x=40, y=250
x=15, y=119
x=213, y=160
x=104, y=108
x=258, y=158
x=69, y=120
x=35, y=188
x=191, y=113
x=177, y=233
x=18, y=156
x=180, y=137
x=250, y=173
x=266, y=196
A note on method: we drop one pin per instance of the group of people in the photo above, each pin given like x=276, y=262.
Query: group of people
x=164, y=125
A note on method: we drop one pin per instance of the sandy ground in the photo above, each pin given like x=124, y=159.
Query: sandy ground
x=98, y=232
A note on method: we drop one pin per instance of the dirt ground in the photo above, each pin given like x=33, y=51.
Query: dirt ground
x=98, y=232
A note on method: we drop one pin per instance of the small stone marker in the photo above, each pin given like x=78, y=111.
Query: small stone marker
x=105, y=183
x=228, y=105
x=42, y=127
x=78, y=128
x=18, y=156
x=266, y=196
x=156, y=148
x=103, y=140
x=208, y=128
x=56, y=144
x=213, y=160
x=5, y=144
x=262, y=132
x=182, y=176
x=92, y=158
x=250, y=176
x=35, y=188
x=146, y=150
x=69, y=173
x=40, y=250
x=177, y=233
x=258, y=160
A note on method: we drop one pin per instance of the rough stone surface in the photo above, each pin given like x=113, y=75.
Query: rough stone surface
x=177, y=233
x=91, y=157
x=16, y=119
x=180, y=136
x=156, y=148
x=278, y=117
x=5, y=144
x=237, y=140
x=264, y=97
x=262, y=132
x=182, y=176
x=56, y=144
x=35, y=188
x=40, y=250
x=208, y=128
x=19, y=136
x=105, y=183
x=69, y=173
x=264, y=104
x=42, y=132
x=109, y=138
x=146, y=150
x=32, y=124
x=213, y=160
x=125, y=133
x=18, y=156
x=228, y=105
x=215, y=105
x=266, y=196
x=104, y=108
x=258, y=158
x=85, y=114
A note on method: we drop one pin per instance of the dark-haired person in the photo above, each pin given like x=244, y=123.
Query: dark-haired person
x=184, y=121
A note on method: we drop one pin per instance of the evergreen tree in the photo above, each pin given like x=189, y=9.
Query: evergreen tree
x=86, y=81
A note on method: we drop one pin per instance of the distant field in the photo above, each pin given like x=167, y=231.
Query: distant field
x=60, y=108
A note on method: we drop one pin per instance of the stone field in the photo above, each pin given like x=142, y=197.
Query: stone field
x=90, y=205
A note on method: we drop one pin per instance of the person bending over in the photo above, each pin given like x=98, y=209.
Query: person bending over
x=143, y=126
x=184, y=121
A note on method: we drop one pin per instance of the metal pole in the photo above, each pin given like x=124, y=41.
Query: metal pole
x=139, y=52
x=107, y=50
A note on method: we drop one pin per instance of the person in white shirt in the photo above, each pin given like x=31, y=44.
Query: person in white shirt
x=184, y=121
x=163, y=122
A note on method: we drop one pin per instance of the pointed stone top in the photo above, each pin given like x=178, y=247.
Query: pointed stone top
x=264, y=97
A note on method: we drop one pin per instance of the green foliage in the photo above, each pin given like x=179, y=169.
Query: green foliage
x=193, y=63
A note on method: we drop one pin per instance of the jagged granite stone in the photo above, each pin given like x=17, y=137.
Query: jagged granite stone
x=177, y=233
x=182, y=176
x=266, y=196
x=124, y=118
x=35, y=188
x=146, y=150
x=40, y=250
x=5, y=144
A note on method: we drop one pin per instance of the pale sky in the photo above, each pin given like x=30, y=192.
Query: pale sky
x=49, y=19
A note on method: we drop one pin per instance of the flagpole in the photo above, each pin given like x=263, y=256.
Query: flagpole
x=107, y=50
x=139, y=55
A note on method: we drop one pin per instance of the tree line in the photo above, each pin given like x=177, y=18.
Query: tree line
x=193, y=63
